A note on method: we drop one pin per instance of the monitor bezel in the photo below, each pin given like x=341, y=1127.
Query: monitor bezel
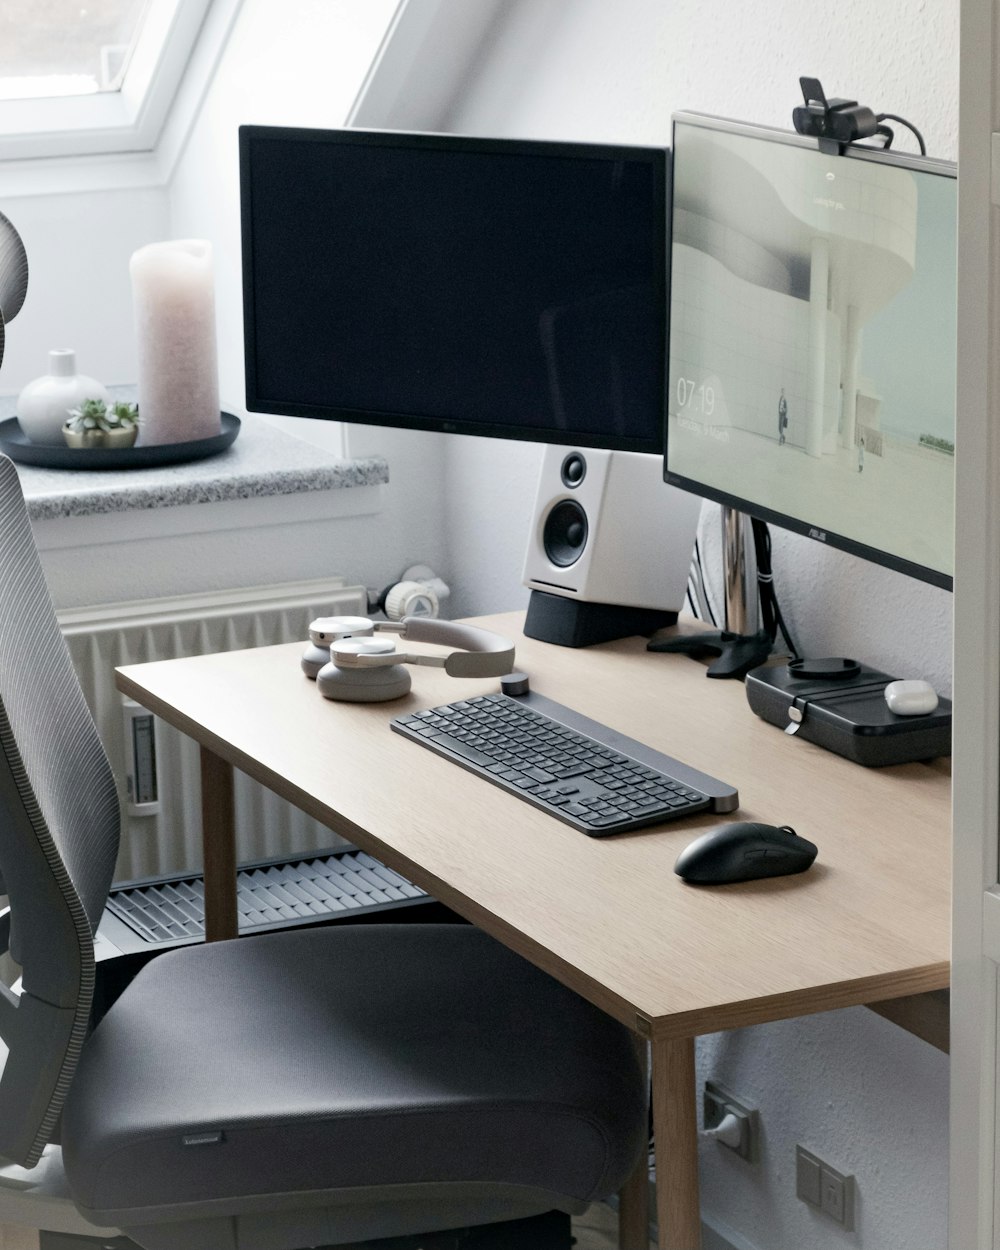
x=920, y=164
x=655, y=156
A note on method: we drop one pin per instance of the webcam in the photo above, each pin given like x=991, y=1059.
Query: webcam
x=835, y=123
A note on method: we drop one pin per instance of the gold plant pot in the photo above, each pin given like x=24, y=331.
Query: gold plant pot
x=105, y=439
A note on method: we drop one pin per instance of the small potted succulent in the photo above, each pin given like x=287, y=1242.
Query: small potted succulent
x=98, y=424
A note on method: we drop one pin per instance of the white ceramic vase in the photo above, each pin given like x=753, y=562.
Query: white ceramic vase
x=45, y=403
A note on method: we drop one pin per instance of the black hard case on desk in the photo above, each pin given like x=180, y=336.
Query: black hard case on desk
x=849, y=716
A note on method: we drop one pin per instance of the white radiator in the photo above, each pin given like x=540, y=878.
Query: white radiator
x=167, y=836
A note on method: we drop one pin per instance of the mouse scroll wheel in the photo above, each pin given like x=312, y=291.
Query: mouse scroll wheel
x=788, y=829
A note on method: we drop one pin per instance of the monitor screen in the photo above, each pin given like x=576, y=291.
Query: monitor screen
x=481, y=286
x=812, y=358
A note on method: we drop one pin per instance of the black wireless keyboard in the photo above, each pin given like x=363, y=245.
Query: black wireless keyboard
x=586, y=774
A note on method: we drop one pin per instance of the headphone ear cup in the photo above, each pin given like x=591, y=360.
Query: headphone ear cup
x=363, y=685
x=314, y=659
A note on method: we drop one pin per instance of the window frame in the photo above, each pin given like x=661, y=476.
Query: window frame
x=127, y=120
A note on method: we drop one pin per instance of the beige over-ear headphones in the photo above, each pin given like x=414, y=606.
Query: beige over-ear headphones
x=351, y=665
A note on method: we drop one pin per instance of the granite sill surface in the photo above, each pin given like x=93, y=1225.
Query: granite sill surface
x=262, y=461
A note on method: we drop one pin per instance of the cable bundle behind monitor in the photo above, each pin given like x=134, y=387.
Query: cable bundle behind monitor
x=770, y=612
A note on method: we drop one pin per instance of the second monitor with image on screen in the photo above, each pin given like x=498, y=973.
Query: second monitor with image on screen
x=812, y=339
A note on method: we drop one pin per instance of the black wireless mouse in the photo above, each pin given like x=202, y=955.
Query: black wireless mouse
x=744, y=851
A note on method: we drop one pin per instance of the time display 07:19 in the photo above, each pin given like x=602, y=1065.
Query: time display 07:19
x=696, y=397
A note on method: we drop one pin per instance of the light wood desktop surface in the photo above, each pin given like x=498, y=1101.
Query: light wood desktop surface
x=607, y=916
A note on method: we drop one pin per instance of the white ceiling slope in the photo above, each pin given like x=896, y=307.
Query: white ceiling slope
x=398, y=92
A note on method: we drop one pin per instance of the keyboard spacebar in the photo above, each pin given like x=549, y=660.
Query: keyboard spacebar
x=457, y=747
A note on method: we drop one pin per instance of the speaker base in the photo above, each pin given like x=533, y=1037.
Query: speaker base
x=573, y=623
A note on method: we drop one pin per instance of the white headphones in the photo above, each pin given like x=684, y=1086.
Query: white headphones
x=350, y=664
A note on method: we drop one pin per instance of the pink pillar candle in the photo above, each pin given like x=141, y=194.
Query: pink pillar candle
x=174, y=303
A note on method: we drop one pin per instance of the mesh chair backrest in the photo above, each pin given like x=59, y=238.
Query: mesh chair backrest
x=59, y=830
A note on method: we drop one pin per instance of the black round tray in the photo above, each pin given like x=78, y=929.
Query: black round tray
x=14, y=443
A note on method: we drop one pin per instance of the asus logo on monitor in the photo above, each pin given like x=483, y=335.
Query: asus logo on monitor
x=818, y=534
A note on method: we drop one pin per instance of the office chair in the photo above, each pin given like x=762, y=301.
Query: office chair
x=312, y=1087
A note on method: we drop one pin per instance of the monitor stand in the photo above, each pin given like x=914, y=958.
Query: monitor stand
x=738, y=650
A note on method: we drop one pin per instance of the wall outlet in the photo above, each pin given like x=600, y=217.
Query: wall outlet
x=823, y=1187
x=717, y=1103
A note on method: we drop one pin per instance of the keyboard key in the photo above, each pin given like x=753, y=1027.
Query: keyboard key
x=576, y=809
x=570, y=770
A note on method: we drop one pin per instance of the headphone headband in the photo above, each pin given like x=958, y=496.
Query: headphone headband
x=480, y=654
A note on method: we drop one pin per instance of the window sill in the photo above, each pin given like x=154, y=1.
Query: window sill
x=263, y=463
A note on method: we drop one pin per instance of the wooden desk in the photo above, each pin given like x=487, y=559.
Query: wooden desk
x=608, y=917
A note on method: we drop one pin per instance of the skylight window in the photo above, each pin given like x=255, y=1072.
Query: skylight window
x=66, y=47
x=87, y=76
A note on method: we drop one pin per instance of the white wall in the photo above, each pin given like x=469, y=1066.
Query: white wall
x=852, y=1088
x=79, y=293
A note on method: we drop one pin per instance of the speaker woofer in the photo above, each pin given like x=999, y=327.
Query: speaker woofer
x=565, y=534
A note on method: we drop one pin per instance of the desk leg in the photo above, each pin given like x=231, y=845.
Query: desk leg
x=218, y=837
x=633, y=1197
x=675, y=1129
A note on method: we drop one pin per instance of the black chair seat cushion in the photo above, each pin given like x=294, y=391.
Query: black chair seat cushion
x=348, y=1056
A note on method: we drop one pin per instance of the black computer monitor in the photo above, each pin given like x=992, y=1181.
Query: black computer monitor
x=812, y=359
x=515, y=289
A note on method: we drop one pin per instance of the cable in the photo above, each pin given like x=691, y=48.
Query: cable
x=690, y=599
x=691, y=590
x=894, y=117
x=702, y=601
x=771, y=618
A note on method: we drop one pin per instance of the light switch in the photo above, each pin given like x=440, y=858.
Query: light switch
x=807, y=1177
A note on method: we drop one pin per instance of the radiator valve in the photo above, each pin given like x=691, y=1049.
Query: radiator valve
x=419, y=592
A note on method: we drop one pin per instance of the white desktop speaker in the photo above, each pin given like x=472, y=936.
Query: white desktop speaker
x=610, y=547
